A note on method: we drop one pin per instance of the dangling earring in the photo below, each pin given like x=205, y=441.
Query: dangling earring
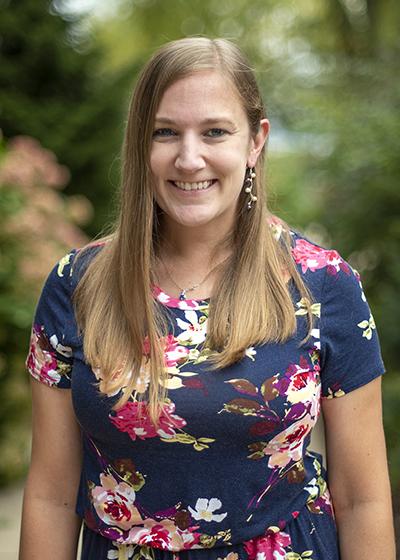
x=251, y=174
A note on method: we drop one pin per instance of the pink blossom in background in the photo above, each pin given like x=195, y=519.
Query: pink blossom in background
x=28, y=164
x=45, y=226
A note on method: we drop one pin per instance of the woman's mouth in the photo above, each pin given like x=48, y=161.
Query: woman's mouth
x=199, y=186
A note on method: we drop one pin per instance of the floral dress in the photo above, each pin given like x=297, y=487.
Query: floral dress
x=228, y=474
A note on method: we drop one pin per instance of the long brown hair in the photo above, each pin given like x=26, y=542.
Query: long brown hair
x=115, y=307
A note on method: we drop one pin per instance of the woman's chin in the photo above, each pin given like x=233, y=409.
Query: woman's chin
x=190, y=220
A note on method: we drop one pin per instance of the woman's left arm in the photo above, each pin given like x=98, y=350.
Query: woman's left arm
x=358, y=474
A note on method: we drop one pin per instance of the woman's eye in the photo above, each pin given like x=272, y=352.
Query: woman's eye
x=164, y=132
x=216, y=132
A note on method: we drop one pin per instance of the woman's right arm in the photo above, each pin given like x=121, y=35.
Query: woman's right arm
x=50, y=527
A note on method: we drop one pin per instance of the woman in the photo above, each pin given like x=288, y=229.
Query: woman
x=200, y=342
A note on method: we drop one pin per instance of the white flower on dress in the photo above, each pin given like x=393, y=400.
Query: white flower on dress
x=63, y=350
x=357, y=275
x=312, y=488
x=113, y=554
x=205, y=510
x=250, y=352
x=316, y=333
x=193, y=331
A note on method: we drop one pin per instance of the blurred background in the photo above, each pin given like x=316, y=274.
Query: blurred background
x=329, y=71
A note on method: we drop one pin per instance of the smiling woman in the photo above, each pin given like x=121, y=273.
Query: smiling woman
x=197, y=346
x=199, y=163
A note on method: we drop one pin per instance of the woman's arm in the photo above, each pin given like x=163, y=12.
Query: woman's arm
x=50, y=527
x=358, y=474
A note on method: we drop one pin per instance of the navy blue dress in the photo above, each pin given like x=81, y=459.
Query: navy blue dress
x=229, y=473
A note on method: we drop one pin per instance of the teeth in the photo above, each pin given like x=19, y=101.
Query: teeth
x=193, y=186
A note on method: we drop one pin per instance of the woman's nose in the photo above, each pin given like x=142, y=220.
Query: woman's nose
x=190, y=158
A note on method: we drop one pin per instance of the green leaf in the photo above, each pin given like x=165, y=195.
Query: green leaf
x=185, y=438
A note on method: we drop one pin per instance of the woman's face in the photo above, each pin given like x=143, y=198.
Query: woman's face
x=201, y=147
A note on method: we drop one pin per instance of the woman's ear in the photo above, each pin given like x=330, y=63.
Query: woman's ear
x=257, y=142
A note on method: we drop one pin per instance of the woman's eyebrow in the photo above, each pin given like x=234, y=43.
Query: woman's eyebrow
x=209, y=121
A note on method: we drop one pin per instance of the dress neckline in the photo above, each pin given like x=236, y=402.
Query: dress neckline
x=185, y=304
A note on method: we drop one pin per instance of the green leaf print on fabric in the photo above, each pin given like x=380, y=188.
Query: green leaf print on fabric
x=199, y=444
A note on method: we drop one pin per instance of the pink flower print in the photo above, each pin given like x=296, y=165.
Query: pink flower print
x=326, y=502
x=304, y=387
x=174, y=353
x=313, y=258
x=169, y=301
x=42, y=362
x=156, y=537
x=164, y=535
x=269, y=546
x=114, y=503
x=134, y=419
x=288, y=445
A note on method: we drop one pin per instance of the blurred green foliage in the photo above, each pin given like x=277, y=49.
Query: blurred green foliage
x=14, y=320
x=38, y=226
x=51, y=90
x=328, y=71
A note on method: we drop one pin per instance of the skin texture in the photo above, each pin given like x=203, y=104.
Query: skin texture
x=358, y=473
x=50, y=527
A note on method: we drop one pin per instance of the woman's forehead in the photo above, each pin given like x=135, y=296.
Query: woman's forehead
x=206, y=95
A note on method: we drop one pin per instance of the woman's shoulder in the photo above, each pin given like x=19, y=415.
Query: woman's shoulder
x=311, y=256
x=314, y=261
x=71, y=267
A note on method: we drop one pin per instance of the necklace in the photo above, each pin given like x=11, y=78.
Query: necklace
x=183, y=291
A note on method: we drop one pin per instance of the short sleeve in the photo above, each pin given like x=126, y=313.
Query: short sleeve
x=350, y=349
x=50, y=357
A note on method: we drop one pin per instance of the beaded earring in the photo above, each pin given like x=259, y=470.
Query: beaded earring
x=251, y=175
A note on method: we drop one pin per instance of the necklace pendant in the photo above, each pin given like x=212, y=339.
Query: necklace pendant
x=182, y=295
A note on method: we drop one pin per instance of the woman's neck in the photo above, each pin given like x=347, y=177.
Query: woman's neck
x=189, y=256
x=188, y=246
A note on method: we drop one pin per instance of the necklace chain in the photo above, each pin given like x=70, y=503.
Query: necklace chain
x=183, y=291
